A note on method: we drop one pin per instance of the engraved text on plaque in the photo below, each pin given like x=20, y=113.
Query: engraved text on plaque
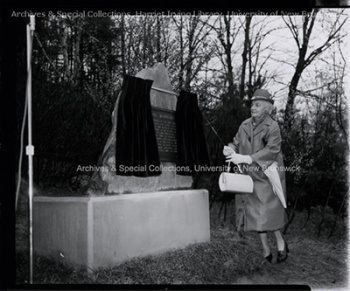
x=165, y=127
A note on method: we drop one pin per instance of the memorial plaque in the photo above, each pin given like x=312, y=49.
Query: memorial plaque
x=165, y=127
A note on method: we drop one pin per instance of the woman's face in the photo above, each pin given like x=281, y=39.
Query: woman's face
x=258, y=108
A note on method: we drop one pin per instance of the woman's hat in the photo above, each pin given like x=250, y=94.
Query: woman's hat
x=261, y=94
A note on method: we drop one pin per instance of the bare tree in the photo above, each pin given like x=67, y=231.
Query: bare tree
x=302, y=34
x=257, y=53
x=194, y=48
x=227, y=30
x=324, y=138
x=244, y=36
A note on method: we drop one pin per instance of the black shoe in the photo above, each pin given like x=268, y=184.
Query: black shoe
x=269, y=258
x=283, y=255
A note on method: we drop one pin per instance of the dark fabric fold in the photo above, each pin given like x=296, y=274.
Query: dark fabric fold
x=136, y=144
x=192, y=147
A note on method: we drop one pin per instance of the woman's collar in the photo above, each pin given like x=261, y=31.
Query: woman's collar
x=260, y=119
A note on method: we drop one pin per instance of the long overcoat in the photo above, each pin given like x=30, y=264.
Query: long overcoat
x=261, y=210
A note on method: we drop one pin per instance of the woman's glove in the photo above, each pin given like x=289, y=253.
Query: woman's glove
x=228, y=150
x=239, y=159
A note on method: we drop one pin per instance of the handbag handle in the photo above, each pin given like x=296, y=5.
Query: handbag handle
x=229, y=168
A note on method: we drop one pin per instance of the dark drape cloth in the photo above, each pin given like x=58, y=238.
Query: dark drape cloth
x=192, y=147
x=136, y=144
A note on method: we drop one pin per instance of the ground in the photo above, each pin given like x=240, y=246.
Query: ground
x=229, y=258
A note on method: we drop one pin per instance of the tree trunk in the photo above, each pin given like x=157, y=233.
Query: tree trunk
x=182, y=67
x=76, y=76
x=122, y=36
x=64, y=51
x=188, y=65
x=248, y=20
x=289, y=113
x=159, y=52
x=228, y=47
x=302, y=63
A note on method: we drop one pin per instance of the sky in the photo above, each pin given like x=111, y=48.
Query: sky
x=283, y=49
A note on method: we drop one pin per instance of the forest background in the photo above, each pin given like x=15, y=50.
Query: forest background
x=79, y=63
x=78, y=68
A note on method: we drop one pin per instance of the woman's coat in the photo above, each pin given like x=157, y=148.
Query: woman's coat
x=261, y=210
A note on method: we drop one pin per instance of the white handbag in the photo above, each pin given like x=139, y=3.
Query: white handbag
x=235, y=183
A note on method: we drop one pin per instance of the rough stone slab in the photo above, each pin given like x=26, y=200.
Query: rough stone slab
x=159, y=74
x=108, y=230
x=107, y=182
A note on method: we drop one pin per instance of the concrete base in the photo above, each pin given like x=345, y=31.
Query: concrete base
x=102, y=231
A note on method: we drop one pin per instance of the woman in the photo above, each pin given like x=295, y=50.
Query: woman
x=258, y=144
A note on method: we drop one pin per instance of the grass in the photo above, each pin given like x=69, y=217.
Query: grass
x=229, y=258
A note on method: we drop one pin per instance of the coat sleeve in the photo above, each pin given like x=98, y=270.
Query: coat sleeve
x=266, y=156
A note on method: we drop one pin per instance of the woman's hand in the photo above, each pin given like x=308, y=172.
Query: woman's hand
x=228, y=150
x=239, y=159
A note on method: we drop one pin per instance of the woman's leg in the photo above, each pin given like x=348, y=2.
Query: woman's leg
x=282, y=245
x=265, y=245
x=280, y=240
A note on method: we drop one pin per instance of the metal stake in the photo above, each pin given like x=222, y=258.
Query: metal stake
x=30, y=148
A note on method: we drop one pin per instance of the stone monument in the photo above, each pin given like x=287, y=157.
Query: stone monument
x=163, y=102
x=123, y=217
